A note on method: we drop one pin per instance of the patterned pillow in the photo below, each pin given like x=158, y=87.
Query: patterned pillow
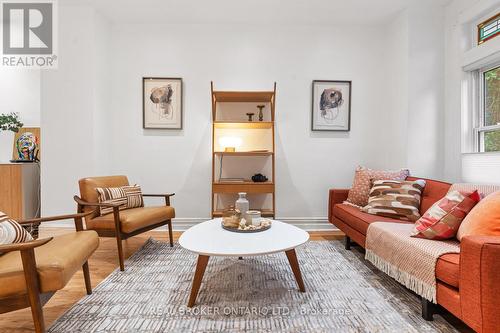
x=396, y=199
x=443, y=219
x=11, y=231
x=129, y=196
x=363, y=177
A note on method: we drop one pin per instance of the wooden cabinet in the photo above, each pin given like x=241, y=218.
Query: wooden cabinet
x=20, y=190
x=252, y=153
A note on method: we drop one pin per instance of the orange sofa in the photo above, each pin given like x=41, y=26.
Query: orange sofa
x=468, y=284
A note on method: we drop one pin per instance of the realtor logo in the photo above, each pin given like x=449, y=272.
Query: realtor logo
x=28, y=38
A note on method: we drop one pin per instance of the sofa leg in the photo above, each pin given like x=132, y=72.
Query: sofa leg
x=347, y=243
x=428, y=309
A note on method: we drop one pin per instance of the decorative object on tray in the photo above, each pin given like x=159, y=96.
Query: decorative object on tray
x=264, y=224
x=242, y=204
x=253, y=218
x=259, y=178
x=331, y=108
x=250, y=116
x=162, y=103
x=231, y=217
x=261, y=114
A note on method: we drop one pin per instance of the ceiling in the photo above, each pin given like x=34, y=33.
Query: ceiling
x=300, y=12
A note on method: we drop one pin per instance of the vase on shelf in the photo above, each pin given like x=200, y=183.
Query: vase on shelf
x=242, y=204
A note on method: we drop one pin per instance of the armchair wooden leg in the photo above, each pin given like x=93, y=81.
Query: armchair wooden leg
x=31, y=277
x=86, y=275
x=170, y=236
x=120, y=252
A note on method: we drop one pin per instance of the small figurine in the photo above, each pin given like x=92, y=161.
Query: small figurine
x=261, y=115
x=259, y=178
x=250, y=116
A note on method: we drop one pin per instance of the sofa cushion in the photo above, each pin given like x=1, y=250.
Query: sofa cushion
x=357, y=219
x=363, y=177
x=56, y=262
x=448, y=268
x=134, y=218
x=483, y=219
x=396, y=199
x=443, y=219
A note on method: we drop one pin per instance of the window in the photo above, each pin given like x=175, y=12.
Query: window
x=489, y=110
x=488, y=29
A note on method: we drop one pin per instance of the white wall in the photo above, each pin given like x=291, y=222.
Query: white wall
x=92, y=105
x=20, y=92
x=73, y=104
x=243, y=57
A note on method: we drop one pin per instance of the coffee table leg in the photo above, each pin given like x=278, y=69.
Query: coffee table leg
x=294, y=263
x=198, y=276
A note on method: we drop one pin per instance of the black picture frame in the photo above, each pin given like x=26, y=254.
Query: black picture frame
x=179, y=110
x=316, y=99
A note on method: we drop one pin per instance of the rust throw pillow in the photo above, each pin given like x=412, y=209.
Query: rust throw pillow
x=443, y=219
x=483, y=219
x=396, y=199
x=362, y=183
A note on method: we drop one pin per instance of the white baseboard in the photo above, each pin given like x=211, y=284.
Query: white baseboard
x=184, y=223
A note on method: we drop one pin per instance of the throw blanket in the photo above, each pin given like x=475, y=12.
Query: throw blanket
x=410, y=261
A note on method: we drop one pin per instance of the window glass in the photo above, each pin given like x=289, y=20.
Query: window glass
x=488, y=29
x=492, y=141
x=492, y=97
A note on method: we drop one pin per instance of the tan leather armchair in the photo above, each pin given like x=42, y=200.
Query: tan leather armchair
x=31, y=272
x=121, y=224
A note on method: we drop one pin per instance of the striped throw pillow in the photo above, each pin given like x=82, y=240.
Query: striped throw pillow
x=11, y=231
x=396, y=199
x=126, y=196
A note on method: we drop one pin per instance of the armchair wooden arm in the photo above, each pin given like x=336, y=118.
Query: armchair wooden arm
x=166, y=196
x=76, y=217
x=84, y=203
x=24, y=246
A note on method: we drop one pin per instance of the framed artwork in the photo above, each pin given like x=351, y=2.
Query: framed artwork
x=331, y=106
x=27, y=144
x=161, y=103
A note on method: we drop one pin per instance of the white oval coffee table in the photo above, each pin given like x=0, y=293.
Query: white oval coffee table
x=210, y=239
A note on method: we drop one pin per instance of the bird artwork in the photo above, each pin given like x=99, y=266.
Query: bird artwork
x=162, y=100
x=330, y=103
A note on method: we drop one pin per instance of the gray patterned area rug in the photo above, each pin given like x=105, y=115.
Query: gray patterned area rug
x=344, y=293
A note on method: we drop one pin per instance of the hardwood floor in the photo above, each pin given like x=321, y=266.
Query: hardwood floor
x=102, y=263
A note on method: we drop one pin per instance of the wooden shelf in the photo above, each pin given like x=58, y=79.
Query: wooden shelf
x=243, y=96
x=227, y=122
x=244, y=125
x=248, y=187
x=264, y=212
x=244, y=153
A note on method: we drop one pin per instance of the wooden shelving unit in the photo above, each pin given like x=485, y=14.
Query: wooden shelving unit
x=258, y=144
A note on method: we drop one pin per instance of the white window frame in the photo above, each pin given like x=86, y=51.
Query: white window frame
x=478, y=108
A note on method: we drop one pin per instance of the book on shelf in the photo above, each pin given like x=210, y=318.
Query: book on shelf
x=231, y=180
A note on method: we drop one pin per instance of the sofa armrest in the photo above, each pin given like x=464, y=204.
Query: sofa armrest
x=480, y=282
x=336, y=196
